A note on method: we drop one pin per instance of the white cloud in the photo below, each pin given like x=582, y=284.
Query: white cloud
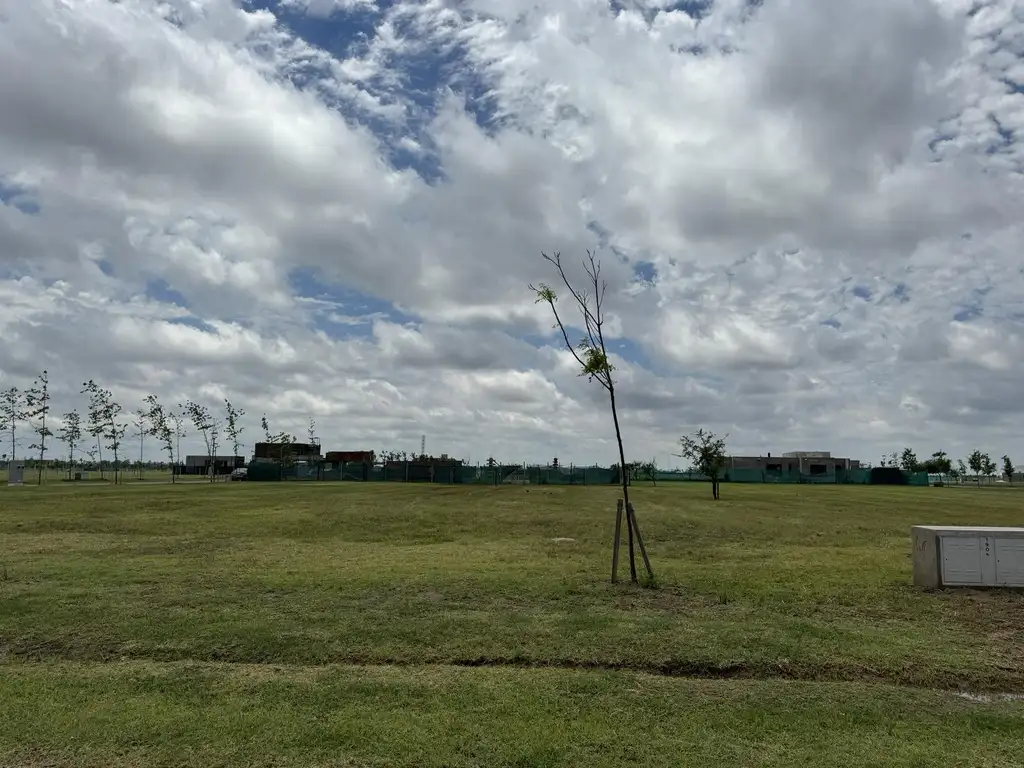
x=820, y=190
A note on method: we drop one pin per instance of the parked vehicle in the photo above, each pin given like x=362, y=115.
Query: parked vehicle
x=240, y=474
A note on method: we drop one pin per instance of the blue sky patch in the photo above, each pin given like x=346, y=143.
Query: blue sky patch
x=18, y=197
x=645, y=272
x=339, y=310
x=862, y=292
x=160, y=290
x=193, y=322
x=901, y=293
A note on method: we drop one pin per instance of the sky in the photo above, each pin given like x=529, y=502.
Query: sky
x=808, y=214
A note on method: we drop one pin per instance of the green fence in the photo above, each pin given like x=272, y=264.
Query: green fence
x=510, y=474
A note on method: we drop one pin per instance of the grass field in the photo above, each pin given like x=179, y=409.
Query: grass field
x=385, y=624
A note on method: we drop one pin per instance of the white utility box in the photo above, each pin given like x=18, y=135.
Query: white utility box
x=965, y=556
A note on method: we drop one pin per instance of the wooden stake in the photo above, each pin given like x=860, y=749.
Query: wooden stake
x=640, y=540
x=632, y=548
x=615, y=545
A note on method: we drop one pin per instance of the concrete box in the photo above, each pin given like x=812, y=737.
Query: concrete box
x=967, y=556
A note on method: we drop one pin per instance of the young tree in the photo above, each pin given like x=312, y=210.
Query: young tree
x=37, y=408
x=988, y=466
x=234, y=428
x=938, y=463
x=142, y=428
x=12, y=410
x=649, y=471
x=1008, y=469
x=591, y=354
x=70, y=433
x=104, y=420
x=977, y=461
x=159, y=422
x=282, y=439
x=176, y=420
x=707, y=454
x=961, y=468
x=205, y=425
x=311, y=430
x=908, y=461
x=94, y=420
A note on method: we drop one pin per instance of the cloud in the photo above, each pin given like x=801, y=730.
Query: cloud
x=824, y=202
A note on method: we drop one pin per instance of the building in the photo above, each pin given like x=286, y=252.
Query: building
x=350, y=457
x=222, y=465
x=288, y=451
x=802, y=462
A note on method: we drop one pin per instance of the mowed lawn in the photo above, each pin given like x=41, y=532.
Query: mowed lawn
x=390, y=624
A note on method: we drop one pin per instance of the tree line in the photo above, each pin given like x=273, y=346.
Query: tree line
x=977, y=462
x=105, y=424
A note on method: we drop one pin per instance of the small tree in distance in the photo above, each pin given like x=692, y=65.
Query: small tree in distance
x=160, y=427
x=908, y=461
x=70, y=433
x=592, y=356
x=707, y=453
x=205, y=425
x=142, y=428
x=980, y=463
x=12, y=410
x=648, y=470
x=1008, y=469
x=37, y=408
x=234, y=428
x=938, y=463
x=988, y=466
x=104, y=421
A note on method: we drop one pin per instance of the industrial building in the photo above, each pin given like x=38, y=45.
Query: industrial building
x=802, y=462
x=222, y=465
x=294, y=452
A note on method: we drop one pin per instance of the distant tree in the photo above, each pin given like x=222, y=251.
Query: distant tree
x=37, y=408
x=491, y=462
x=979, y=463
x=591, y=355
x=70, y=433
x=177, y=421
x=908, y=461
x=104, y=421
x=206, y=426
x=707, y=453
x=648, y=470
x=94, y=421
x=160, y=427
x=938, y=463
x=142, y=428
x=961, y=468
x=12, y=410
x=283, y=439
x=311, y=430
x=554, y=463
x=234, y=429
x=1008, y=468
x=989, y=466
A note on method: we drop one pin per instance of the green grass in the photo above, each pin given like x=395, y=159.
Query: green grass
x=309, y=623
